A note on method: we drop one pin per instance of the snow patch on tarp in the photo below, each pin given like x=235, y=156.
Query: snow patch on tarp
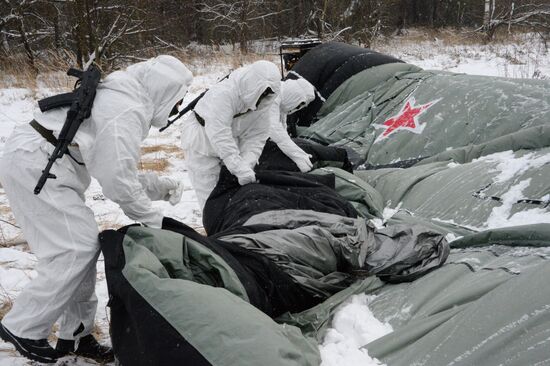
x=501, y=216
x=387, y=214
x=509, y=165
x=353, y=327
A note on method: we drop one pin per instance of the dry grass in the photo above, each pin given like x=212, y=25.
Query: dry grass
x=155, y=165
x=15, y=71
x=109, y=225
x=7, y=219
x=97, y=332
x=49, y=71
x=6, y=302
x=159, y=162
x=200, y=230
x=5, y=210
x=53, y=337
x=168, y=149
x=15, y=242
x=450, y=36
x=207, y=60
x=5, y=307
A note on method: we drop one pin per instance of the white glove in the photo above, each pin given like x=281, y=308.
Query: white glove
x=248, y=177
x=171, y=188
x=303, y=162
x=175, y=194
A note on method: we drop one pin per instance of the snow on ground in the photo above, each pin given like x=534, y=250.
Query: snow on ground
x=524, y=57
x=354, y=326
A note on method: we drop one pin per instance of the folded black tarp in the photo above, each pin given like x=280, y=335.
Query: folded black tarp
x=231, y=205
x=281, y=187
x=273, y=158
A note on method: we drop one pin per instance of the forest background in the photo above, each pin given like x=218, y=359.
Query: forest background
x=45, y=34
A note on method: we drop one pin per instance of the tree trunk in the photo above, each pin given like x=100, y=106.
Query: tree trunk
x=487, y=13
x=79, y=32
x=243, y=36
x=92, y=44
x=5, y=44
x=243, y=40
x=26, y=44
x=512, y=6
x=434, y=13
x=57, y=31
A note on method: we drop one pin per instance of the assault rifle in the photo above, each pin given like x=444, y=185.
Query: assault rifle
x=81, y=101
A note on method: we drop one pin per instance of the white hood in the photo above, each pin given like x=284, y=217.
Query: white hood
x=165, y=80
x=295, y=95
x=251, y=81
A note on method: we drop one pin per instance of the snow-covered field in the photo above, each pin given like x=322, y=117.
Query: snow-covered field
x=526, y=57
x=354, y=325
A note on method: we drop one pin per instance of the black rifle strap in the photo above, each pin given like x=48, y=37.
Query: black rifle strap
x=49, y=136
x=44, y=132
x=199, y=118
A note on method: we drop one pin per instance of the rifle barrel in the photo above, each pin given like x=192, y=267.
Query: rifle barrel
x=45, y=175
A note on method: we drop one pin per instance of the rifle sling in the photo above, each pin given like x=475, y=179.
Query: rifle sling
x=201, y=120
x=49, y=136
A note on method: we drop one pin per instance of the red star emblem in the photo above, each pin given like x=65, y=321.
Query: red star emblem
x=407, y=119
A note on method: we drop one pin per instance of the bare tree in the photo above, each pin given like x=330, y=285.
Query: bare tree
x=487, y=12
x=4, y=20
x=117, y=31
x=98, y=25
x=17, y=12
x=236, y=19
x=533, y=16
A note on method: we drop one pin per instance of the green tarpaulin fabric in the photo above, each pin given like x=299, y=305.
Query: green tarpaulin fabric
x=464, y=155
x=406, y=115
x=477, y=153
x=486, y=306
x=200, y=296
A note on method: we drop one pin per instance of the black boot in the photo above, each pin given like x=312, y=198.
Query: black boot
x=36, y=350
x=88, y=347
